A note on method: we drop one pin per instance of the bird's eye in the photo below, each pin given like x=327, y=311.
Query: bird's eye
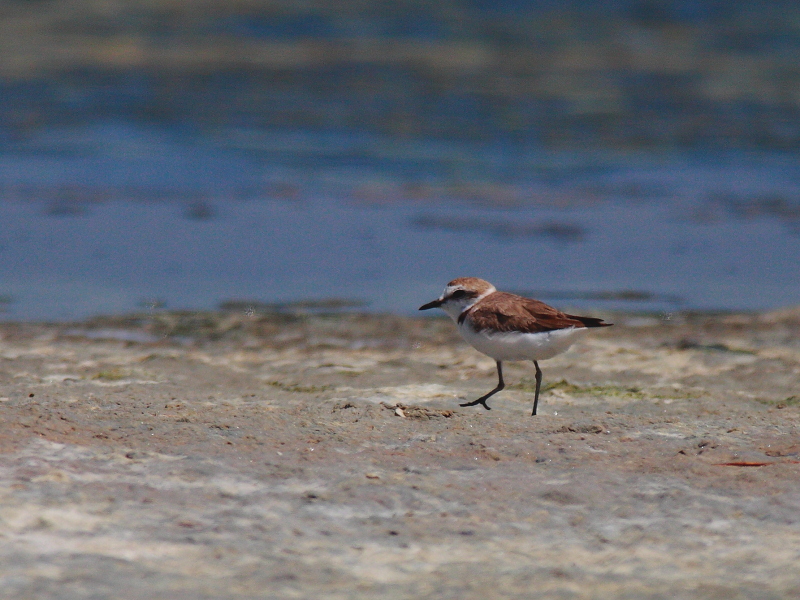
x=458, y=294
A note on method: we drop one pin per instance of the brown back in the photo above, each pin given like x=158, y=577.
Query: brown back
x=505, y=312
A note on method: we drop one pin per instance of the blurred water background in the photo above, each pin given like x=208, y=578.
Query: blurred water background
x=259, y=155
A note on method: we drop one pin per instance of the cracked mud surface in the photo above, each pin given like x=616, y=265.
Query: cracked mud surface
x=224, y=456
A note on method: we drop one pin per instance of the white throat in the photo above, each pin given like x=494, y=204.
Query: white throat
x=456, y=309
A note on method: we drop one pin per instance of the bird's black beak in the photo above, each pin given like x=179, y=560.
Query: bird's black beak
x=435, y=304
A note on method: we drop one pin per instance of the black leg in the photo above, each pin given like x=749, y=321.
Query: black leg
x=538, y=385
x=500, y=385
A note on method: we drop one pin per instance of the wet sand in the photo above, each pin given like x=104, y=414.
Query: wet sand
x=289, y=456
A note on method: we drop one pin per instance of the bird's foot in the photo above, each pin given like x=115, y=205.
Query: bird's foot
x=478, y=401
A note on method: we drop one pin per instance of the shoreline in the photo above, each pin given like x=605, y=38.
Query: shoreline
x=327, y=456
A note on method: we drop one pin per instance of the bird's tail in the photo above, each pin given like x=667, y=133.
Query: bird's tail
x=591, y=321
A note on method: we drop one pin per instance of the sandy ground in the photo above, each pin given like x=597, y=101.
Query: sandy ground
x=234, y=456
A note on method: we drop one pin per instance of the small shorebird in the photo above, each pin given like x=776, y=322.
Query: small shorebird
x=508, y=327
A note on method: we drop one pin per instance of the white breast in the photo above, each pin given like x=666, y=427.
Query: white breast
x=520, y=346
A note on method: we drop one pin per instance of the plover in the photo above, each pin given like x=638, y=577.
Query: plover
x=508, y=327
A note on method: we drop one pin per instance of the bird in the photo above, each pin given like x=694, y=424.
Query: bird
x=509, y=327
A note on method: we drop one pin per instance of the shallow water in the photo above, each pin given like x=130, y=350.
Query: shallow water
x=113, y=217
x=200, y=155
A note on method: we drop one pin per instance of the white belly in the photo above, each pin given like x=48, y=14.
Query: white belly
x=520, y=346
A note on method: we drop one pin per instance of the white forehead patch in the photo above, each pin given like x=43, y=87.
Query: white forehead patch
x=451, y=289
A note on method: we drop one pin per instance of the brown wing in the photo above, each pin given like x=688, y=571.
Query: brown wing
x=502, y=311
